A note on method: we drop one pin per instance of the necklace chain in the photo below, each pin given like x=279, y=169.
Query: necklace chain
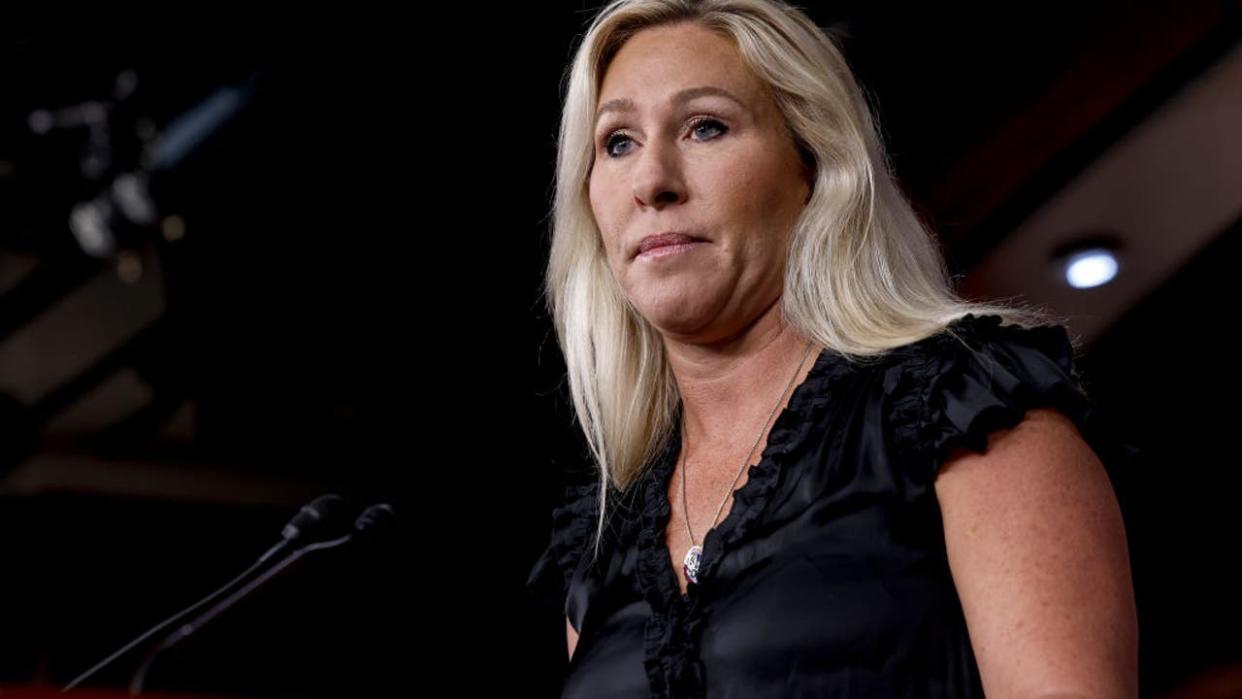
x=694, y=555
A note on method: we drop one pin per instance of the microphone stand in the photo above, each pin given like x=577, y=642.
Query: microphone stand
x=172, y=639
x=166, y=623
x=310, y=520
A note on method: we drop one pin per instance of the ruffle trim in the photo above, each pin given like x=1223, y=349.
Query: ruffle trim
x=573, y=523
x=671, y=640
x=950, y=396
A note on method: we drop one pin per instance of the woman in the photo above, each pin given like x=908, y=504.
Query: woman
x=737, y=280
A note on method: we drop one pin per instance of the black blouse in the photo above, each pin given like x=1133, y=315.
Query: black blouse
x=829, y=575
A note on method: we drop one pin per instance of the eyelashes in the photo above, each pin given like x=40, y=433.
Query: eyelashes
x=619, y=136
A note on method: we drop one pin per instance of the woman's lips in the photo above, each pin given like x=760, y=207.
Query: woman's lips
x=666, y=240
x=669, y=249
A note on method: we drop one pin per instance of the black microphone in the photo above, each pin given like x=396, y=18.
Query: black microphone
x=318, y=520
x=376, y=523
x=373, y=524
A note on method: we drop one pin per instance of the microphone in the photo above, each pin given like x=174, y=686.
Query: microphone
x=373, y=524
x=317, y=520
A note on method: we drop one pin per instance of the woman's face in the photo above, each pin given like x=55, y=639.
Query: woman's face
x=723, y=171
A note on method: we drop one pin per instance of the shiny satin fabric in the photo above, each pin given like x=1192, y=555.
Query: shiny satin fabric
x=829, y=575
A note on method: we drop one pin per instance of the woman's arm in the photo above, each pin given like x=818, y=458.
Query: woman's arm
x=571, y=637
x=1037, y=548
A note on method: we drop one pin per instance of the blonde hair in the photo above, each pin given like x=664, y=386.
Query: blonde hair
x=863, y=273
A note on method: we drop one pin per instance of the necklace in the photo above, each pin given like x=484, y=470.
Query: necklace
x=695, y=555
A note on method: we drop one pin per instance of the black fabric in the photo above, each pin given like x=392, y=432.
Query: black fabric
x=829, y=576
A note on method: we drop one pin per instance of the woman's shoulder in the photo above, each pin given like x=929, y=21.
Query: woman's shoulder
x=985, y=336
x=979, y=375
x=573, y=519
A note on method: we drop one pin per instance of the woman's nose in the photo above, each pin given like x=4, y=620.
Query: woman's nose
x=657, y=176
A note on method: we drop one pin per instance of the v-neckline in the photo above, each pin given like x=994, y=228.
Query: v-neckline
x=758, y=477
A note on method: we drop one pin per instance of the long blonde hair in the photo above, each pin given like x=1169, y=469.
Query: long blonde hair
x=864, y=274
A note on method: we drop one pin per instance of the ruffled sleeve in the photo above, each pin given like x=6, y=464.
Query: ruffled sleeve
x=946, y=395
x=573, y=523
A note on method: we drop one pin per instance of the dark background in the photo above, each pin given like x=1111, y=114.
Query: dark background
x=354, y=309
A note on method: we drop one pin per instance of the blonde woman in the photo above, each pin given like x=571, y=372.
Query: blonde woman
x=820, y=472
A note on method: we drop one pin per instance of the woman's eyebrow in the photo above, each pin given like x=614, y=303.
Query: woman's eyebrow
x=625, y=104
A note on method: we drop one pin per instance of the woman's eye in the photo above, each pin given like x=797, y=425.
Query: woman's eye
x=708, y=122
x=608, y=143
x=617, y=136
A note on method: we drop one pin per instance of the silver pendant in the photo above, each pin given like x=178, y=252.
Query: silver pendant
x=691, y=564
